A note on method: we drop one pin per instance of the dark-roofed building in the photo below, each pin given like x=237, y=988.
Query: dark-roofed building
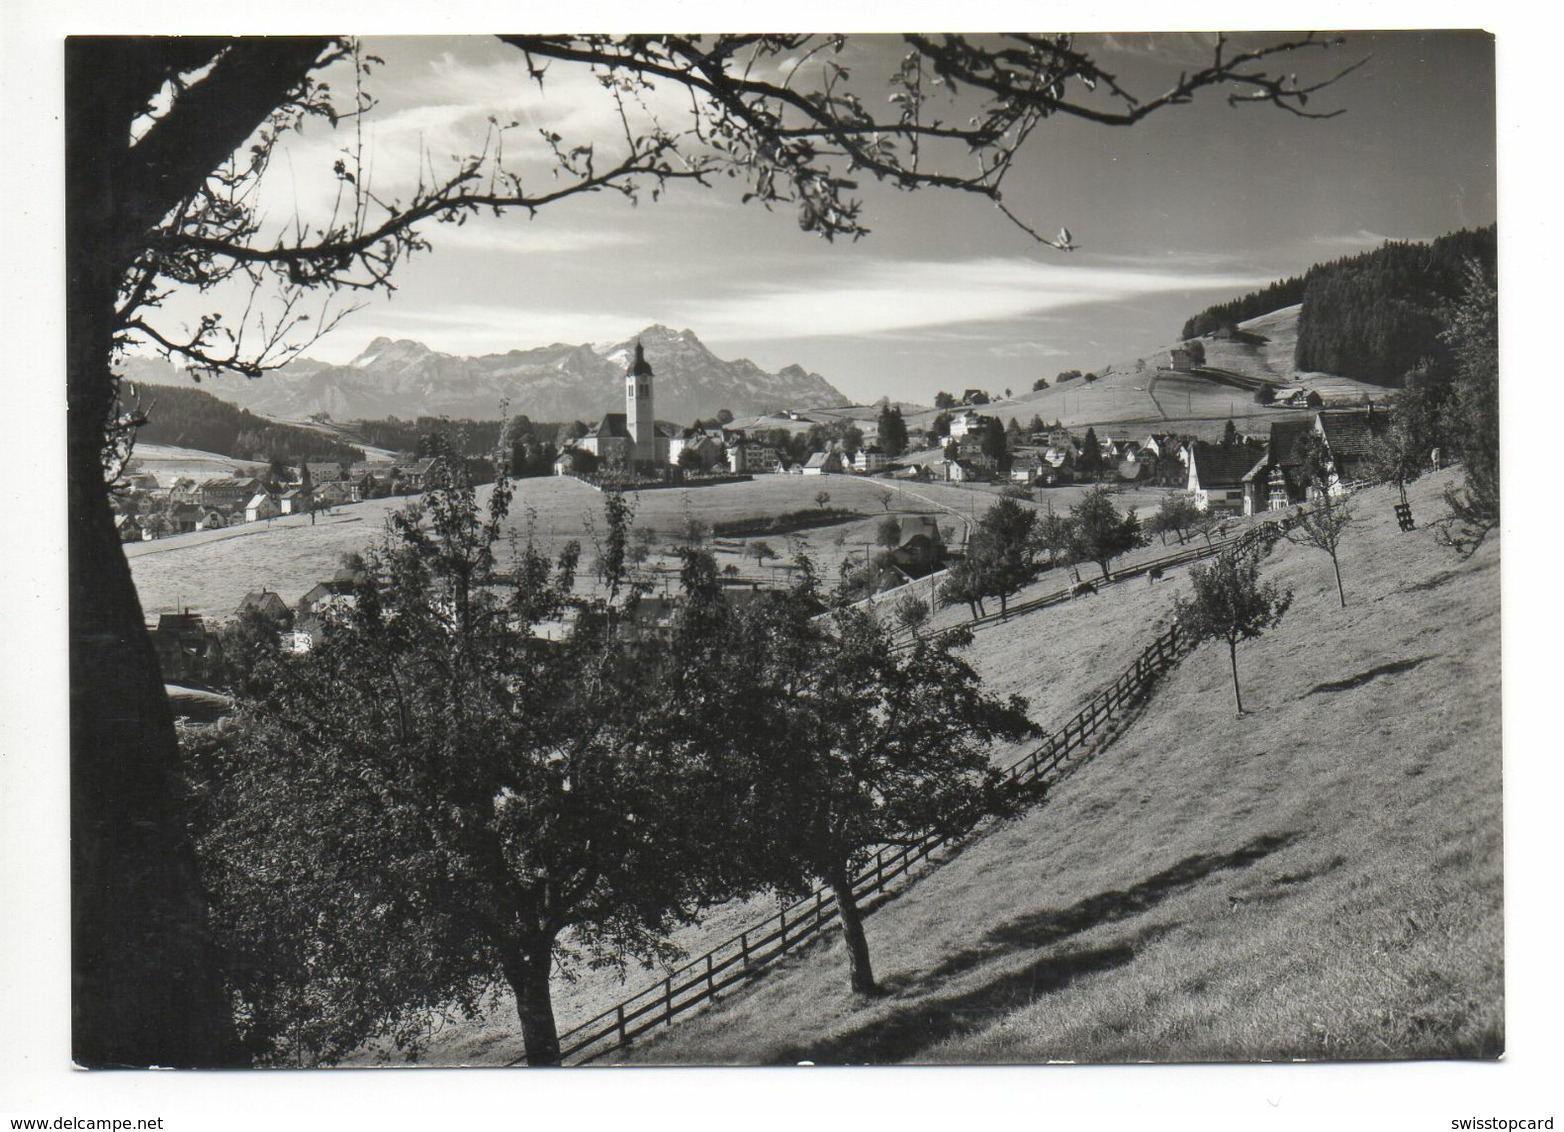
x=269, y=605
x=324, y=471
x=1350, y=434
x=187, y=650
x=919, y=547
x=227, y=494
x=1216, y=475
x=609, y=440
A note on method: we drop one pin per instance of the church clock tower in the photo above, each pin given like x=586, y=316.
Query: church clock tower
x=639, y=420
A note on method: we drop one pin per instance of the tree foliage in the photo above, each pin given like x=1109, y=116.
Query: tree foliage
x=1099, y=533
x=1229, y=603
x=1472, y=336
x=892, y=431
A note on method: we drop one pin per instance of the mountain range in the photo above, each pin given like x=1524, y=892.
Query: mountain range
x=561, y=382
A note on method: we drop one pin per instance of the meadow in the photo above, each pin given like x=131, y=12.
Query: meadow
x=1319, y=878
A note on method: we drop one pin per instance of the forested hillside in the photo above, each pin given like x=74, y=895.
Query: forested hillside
x=1375, y=316
x=191, y=418
x=1283, y=293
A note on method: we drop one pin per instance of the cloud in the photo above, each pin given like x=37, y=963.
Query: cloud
x=1362, y=238
x=882, y=296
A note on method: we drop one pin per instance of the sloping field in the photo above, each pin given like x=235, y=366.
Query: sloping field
x=1320, y=878
x=169, y=462
x=210, y=571
x=1056, y=658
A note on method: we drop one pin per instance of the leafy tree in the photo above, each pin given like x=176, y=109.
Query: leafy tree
x=1321, y=526
x=888, y=532
x=1054, y=533
x=689, y=459
x=1472, y=335
x=430, y=798
x=1088, y=378
x=1099, y=533
x=1036, y=425
x=979, y=397
x=762, y=551
x=940, y=426
x=1039, y=384
x=999, y=554
x=163, y=201
x=866, y=745
x=724, y=416
x=1229, y=434
x=1197, y=352
x=1067, y=375
x=822, y=498
x=1230, y=603
x=892, y=431
x=911, y=613
x=1176, y=514
x=943, y=400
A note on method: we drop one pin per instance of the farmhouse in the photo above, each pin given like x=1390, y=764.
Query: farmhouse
x=823, y=463
x=227, y=494
x=752, y=456
x=266, y=604
x=1216, y=475
x=187, y=650
x=262, y=505
x=919, y=547
x=869, y=460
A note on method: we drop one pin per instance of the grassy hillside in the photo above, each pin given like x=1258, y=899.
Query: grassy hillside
x=1317, y=879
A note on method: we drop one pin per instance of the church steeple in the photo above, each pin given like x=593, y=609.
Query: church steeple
x=639, y=418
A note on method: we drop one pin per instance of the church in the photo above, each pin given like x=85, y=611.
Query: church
x=631, y=439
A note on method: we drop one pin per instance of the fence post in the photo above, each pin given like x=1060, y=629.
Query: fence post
x=782, y=930
x=622, y=1023
x=668, y=1000
x=744, y=945
x=711, y=985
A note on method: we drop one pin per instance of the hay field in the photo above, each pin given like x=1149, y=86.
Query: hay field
x=1319, y=878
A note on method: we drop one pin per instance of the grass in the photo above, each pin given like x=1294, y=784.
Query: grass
x=1320, y=878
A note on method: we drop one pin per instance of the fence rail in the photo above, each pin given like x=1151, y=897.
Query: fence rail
x=757, y=947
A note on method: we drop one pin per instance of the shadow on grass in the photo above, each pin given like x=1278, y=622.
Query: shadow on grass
x=1374, y=673
x=902, y=1032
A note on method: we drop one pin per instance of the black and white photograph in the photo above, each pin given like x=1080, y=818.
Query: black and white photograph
x=707, y=549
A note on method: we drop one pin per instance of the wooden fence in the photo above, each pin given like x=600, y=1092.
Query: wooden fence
x=738, y=958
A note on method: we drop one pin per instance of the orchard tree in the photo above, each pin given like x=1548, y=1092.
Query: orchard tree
x=166, y=142
x=1321, y=527
x=421, y=806
x=864, y=745
x=1176, y=514
x=1098, y=533
x=1230, y=603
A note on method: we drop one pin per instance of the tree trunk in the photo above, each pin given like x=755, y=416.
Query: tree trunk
x=1340, y=593
x=147, y=985
x=527, y=969
x=1232, y=656
x=861, y=973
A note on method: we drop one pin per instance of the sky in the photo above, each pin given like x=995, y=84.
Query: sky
x=1194, y=205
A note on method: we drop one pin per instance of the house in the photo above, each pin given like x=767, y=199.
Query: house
x=1183, y=359
x=414, y=477
x=187, y=649
x=262, y=505
x=749, y=456
x=965, y=423
x=335, y=493
x=869, y=460
x=953, y=471
x=302, y=637
x=1050, y=476
x=707, y=451
x=1349, y=435
x=294, y=501
x=919, y=546
x=1132, y=467
x=266, y=604
x=184, y=518
x=128, y=528
x=1061, y=456
x=823, y=463
x=336, y=590
x=609, y=440
x=1216, y=475
x=324, y=472
x=1024, y=469
x=974, y=397
x=141, y=481
x=227, y=494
